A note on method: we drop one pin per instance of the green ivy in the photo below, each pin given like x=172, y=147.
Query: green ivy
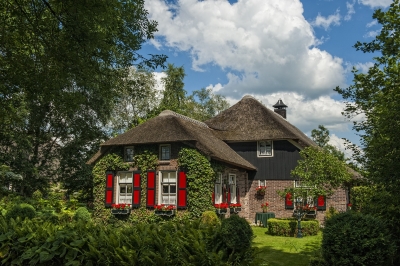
x=200, y=178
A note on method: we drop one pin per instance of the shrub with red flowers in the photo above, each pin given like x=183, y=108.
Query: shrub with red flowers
x=221, y=206
x=265, y=205
x=261, y=190
x=235, y=205
x=163, y=207
x=349, y=206
x=122, y=206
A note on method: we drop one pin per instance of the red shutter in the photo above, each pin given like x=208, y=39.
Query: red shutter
x=229, y=194
x=224, y=194
x=137, y=189
x=109, y=196
x=151, y=189
x=237, y=194
x=321, y=203
x=182, y=190
x=288, y=201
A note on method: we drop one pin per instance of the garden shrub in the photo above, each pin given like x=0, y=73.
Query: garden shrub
x=288, y=227
x=37, y=195
x=236, y=232
x=331, y=212
x=210, y=218
x=22, y=210
x=352, y=238
x=82, y=214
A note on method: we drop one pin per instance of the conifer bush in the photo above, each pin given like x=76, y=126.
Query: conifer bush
x=236, y=233
x=82, y=214
x=352, y=238
x=210, y=218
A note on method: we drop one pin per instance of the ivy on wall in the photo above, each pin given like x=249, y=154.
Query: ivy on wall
x=200, y=181
x=201, y=175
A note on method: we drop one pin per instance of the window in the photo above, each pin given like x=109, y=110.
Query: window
x=264, y=148
x=165, y=152
x=218, y=190
x=168, y=187
x=129, y=154
x=262, y=183
x=232, y=188
x=125, y=187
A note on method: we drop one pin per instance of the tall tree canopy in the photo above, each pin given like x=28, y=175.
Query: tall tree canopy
x=321, y=137
x=62, y=65
x=174, y=95
x=376, y=96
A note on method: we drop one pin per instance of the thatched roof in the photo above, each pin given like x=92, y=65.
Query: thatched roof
x=171, y=127
x=249, y=120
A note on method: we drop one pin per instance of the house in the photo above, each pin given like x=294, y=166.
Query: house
x=252, y=145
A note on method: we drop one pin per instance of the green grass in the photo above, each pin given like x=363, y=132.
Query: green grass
x=278, y=250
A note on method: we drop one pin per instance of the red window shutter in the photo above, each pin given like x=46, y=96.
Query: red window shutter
x=321, y=203
x=229, y=194
x=137, y=189
x=151, y=189
x=289, y=201
x=237, y=194
x=182, y=190
x=224, y=195
x=109, y=196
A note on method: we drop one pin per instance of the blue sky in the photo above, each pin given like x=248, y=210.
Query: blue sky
x=296, y=50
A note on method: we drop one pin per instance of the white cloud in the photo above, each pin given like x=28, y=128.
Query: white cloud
x=364, y=67
x=350, y=10
x=372, y=34
x=376, y=3
x=340, y=144
x=158, y=75
x=372, y=23
x=326, y=22
x=265, y=46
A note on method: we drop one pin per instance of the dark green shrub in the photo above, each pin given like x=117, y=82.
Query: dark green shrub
x=37, y=195
x=236, y=233
x=288, y=227
x=356, y=239
x=82, y=214
x=22, y=210
x=210, y=218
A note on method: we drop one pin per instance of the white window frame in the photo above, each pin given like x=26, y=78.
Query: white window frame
x=262, y=183
x=126, y=159
x=232, y=186
x=218, y=189
x=161, y=152
x=265, y=153
x=124, y=180
x=310, y=199
x=167, y=181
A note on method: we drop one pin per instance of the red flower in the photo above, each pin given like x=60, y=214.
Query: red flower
x=349, y=205
x=221, y=206
x=163, y=207
x=235, y=205
x=264, y=205
x=261, y=188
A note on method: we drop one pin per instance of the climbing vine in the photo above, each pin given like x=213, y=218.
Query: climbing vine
x=200, y=181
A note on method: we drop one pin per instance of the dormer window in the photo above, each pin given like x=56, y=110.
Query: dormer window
x=265, y=148
x=129, y=153
x=165, y=152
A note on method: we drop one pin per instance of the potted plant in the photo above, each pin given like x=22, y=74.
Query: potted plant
x=235, y=207
x=260, y=190
x=310, y=211
x=349, y=206
x=221, y=208
x=167, y=210
x=122, y=208
x=264, y=207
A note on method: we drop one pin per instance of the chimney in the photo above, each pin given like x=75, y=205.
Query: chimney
x=280, y=108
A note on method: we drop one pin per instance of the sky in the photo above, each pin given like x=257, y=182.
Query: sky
x=294, y=50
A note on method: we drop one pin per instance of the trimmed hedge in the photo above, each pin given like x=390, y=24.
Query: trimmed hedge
x=288, y=227
x=352, y=238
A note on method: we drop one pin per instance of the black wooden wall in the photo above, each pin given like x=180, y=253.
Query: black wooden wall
x=277, y=167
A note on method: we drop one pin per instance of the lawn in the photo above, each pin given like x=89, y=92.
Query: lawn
x=282, y=251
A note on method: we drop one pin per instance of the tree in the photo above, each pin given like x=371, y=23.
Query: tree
x=174, y=96
x=62, y=67
x=376, y=96
x=319, y=172
x=321, y=137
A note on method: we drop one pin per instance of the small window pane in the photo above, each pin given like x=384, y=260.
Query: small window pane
x=165, y=152
x=172, y=189
x=122, y=189
x=165, y=189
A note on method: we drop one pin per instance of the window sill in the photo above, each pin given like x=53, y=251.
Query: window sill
x=164, y=162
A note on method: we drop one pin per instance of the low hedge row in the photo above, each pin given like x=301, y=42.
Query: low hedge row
x=288, y=227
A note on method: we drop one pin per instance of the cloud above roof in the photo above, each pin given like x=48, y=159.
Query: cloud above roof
x=266, y=46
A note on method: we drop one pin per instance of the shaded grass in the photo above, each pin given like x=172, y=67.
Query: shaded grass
x=282, y=251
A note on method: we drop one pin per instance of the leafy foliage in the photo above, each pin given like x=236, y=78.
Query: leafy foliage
x=352, y=238
x=82, y=214
x=288, y=227
x=321, y=137
x=200, y=178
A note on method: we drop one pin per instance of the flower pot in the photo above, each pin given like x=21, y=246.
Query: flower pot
x=222, y=211
x=260, y=193
x=265, y=210
x=235, y=209
x=120, y=211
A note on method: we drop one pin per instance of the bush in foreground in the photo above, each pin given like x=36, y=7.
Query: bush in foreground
x=356, y=239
